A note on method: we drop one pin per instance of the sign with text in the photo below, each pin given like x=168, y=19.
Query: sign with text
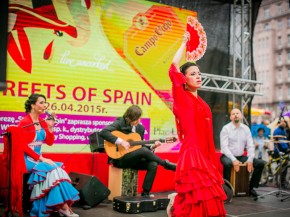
x=92, y=60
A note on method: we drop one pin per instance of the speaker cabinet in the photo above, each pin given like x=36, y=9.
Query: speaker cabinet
x=92, y=191
x=96, y=143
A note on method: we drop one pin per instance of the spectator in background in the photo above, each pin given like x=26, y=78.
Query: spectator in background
x=255, y=127
x=260, y=145
x=281, y=147
x=281, y=130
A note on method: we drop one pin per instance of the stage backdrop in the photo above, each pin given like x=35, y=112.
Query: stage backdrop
x=92, y=59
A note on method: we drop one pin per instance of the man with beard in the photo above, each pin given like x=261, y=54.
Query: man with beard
x=235, y=138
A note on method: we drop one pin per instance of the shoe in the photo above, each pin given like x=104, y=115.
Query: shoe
x=253, y=193
x=283, y=186
x=147, y=194
x=67, y=213
x=171, y=198
x=169, y=166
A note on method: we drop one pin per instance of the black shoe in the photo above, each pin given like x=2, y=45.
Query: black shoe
x=147, y=194
x=169, y=166
x=253, y=193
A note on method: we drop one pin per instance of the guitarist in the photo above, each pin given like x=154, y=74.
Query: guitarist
x=140, y=159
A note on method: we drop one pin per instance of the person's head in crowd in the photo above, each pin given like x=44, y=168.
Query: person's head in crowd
x=282, y=122
x=261, y=132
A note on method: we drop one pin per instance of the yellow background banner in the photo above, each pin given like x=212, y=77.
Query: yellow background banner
x=93, y=59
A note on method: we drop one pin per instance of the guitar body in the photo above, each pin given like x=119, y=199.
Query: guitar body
x=120, y=151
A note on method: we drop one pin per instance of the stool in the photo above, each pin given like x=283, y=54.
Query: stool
x=122, y=182
x=240, y=180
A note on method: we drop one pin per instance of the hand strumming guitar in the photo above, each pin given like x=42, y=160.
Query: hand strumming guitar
x=125, y=144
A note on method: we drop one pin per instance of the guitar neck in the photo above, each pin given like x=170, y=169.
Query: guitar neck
x=133, y=143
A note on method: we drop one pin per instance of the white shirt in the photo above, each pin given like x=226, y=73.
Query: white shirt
x=234, y=140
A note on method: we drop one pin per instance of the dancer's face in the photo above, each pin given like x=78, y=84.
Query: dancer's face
x=40, y=105
x=193, y=78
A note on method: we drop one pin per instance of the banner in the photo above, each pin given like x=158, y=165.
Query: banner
x=92, y=60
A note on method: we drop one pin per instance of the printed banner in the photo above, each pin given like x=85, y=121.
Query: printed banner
x=92, y=60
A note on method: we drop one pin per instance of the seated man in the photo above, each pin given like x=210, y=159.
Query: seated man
x=234, y=138
x=140, y=159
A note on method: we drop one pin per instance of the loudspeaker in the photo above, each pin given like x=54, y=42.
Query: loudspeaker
x=92, y=191
x=96, y=143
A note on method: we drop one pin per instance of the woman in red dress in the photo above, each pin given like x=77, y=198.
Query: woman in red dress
x=198, y=181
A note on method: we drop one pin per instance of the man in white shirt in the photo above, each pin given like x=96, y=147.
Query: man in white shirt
x=235, y=138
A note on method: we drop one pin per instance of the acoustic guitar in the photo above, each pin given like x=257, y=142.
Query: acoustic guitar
x=117, y=151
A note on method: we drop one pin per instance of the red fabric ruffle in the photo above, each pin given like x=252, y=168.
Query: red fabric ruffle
x=199, y=186
x=176, y=77
x=208, y=208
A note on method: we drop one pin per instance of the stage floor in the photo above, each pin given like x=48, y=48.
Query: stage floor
x=268, y=206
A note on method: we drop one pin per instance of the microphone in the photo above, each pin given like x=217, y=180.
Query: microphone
x=51, y=117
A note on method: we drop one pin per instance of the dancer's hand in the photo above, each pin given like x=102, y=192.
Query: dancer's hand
x=185, y=37
x=47, y=160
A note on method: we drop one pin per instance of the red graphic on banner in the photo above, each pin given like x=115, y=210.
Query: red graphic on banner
x=48, y=51
x=43, y=17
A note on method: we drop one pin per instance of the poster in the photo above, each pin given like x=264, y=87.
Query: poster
x=92, y=60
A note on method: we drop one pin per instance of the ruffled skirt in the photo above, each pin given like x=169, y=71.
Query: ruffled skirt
x=199, y=187
x=51, y=188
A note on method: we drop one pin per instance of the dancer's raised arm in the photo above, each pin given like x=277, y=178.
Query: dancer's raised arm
x=179, y=53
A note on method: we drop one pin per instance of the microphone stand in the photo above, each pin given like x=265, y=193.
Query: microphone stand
x=9, y=213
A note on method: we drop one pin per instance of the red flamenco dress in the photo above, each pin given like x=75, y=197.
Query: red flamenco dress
x=198, y=181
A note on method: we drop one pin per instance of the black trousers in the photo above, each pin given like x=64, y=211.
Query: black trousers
x=141, y=159
x=258, y=165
